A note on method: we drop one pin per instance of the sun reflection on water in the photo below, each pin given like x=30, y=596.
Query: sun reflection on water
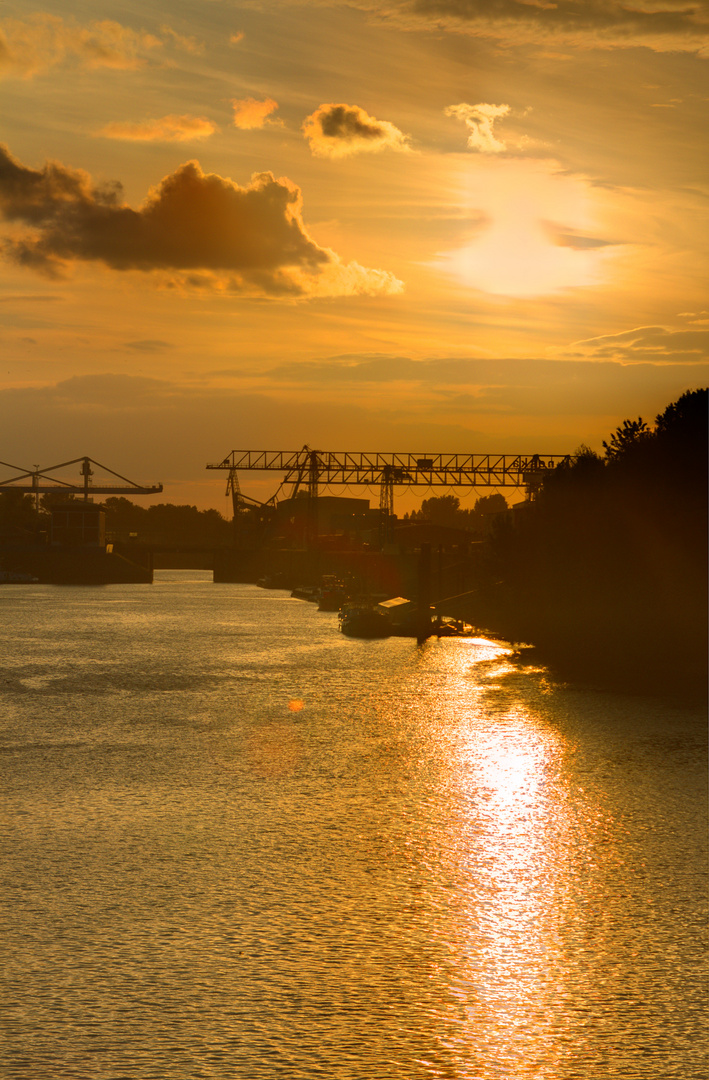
x=509, y=840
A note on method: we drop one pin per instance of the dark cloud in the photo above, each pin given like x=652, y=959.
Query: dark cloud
x=113, y=392
x=150, y=345
x=218, y=234
x=340, y=130
x=346, y=122
x=662, y=25
x=38, y=298
x=563, y=236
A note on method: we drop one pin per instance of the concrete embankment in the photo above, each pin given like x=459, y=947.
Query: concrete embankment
x=395, y=573
x=76, y=566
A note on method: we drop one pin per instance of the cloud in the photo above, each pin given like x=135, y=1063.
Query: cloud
x=149, y=345
x=166, y=129
x=42, y=41
x=480, y=119
x=563, y=236
x=127, y=421
x=235, y=39
x=657, y=344
x=438, y=375
x=250, y=113
x=157, y=430
x=660, y=25
x=22, y=298
x=200, y=229
x=336, y=131
x=185, y=44
x=474, y=390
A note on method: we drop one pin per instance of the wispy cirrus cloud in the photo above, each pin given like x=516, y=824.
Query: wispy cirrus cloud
x=41, y=41
x=183, y=42
x=149, y=345
x=660, y=25
x=656, y=344
x=476, y=388
x=565, y=236
x=337, y=131
x=165, y=129
x=250, y=113
x=199, y=230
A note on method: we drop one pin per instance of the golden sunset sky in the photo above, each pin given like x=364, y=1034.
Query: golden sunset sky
x=411, y=225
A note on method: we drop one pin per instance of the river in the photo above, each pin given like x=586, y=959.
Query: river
x=238, y=844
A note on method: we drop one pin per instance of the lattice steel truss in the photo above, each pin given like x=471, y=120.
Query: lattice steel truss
x=43, y=481
x=326, y=467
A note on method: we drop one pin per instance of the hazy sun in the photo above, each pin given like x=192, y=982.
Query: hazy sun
x=541, y=234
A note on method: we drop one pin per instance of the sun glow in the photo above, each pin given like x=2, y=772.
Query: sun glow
x=540, y=234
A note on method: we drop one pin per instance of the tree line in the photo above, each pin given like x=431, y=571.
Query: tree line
x=163, y=524
x=446, y=510
x=607, y=568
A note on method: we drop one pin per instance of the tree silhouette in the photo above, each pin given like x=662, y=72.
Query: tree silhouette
x=626, y=438
x=607, y=571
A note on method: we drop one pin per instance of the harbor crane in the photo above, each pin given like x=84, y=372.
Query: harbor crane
x=387, y=471
x=38, y=481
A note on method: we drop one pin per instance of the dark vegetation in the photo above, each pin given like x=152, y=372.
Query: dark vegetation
x=606, y=572
x=446, y=510
x=166, y=524
x=161, y=525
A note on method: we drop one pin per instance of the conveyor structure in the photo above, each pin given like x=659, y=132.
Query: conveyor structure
x=38, y=481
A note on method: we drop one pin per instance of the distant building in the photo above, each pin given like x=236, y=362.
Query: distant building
x=78, y=524
x=345, y=517
x=409, y=535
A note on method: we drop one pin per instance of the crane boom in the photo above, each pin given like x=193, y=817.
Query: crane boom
x=364, y=468
x=41, y=481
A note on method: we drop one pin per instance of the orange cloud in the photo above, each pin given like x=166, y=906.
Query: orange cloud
x=337, y=131
x=480, y=119
x=201, y=230
x=250, y=113
x=42, y=41
x=166, y=129
x=186, y=44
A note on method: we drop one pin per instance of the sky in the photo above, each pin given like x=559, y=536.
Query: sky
x=420, y=226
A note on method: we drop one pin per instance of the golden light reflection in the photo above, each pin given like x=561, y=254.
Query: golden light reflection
x=509, y=841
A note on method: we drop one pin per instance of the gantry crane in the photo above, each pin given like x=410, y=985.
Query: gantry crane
x=387, y=471
x=241, y=502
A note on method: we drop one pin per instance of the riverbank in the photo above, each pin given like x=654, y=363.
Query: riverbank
x=613, y=644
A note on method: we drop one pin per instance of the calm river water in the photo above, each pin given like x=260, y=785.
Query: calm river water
x=241, y=845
